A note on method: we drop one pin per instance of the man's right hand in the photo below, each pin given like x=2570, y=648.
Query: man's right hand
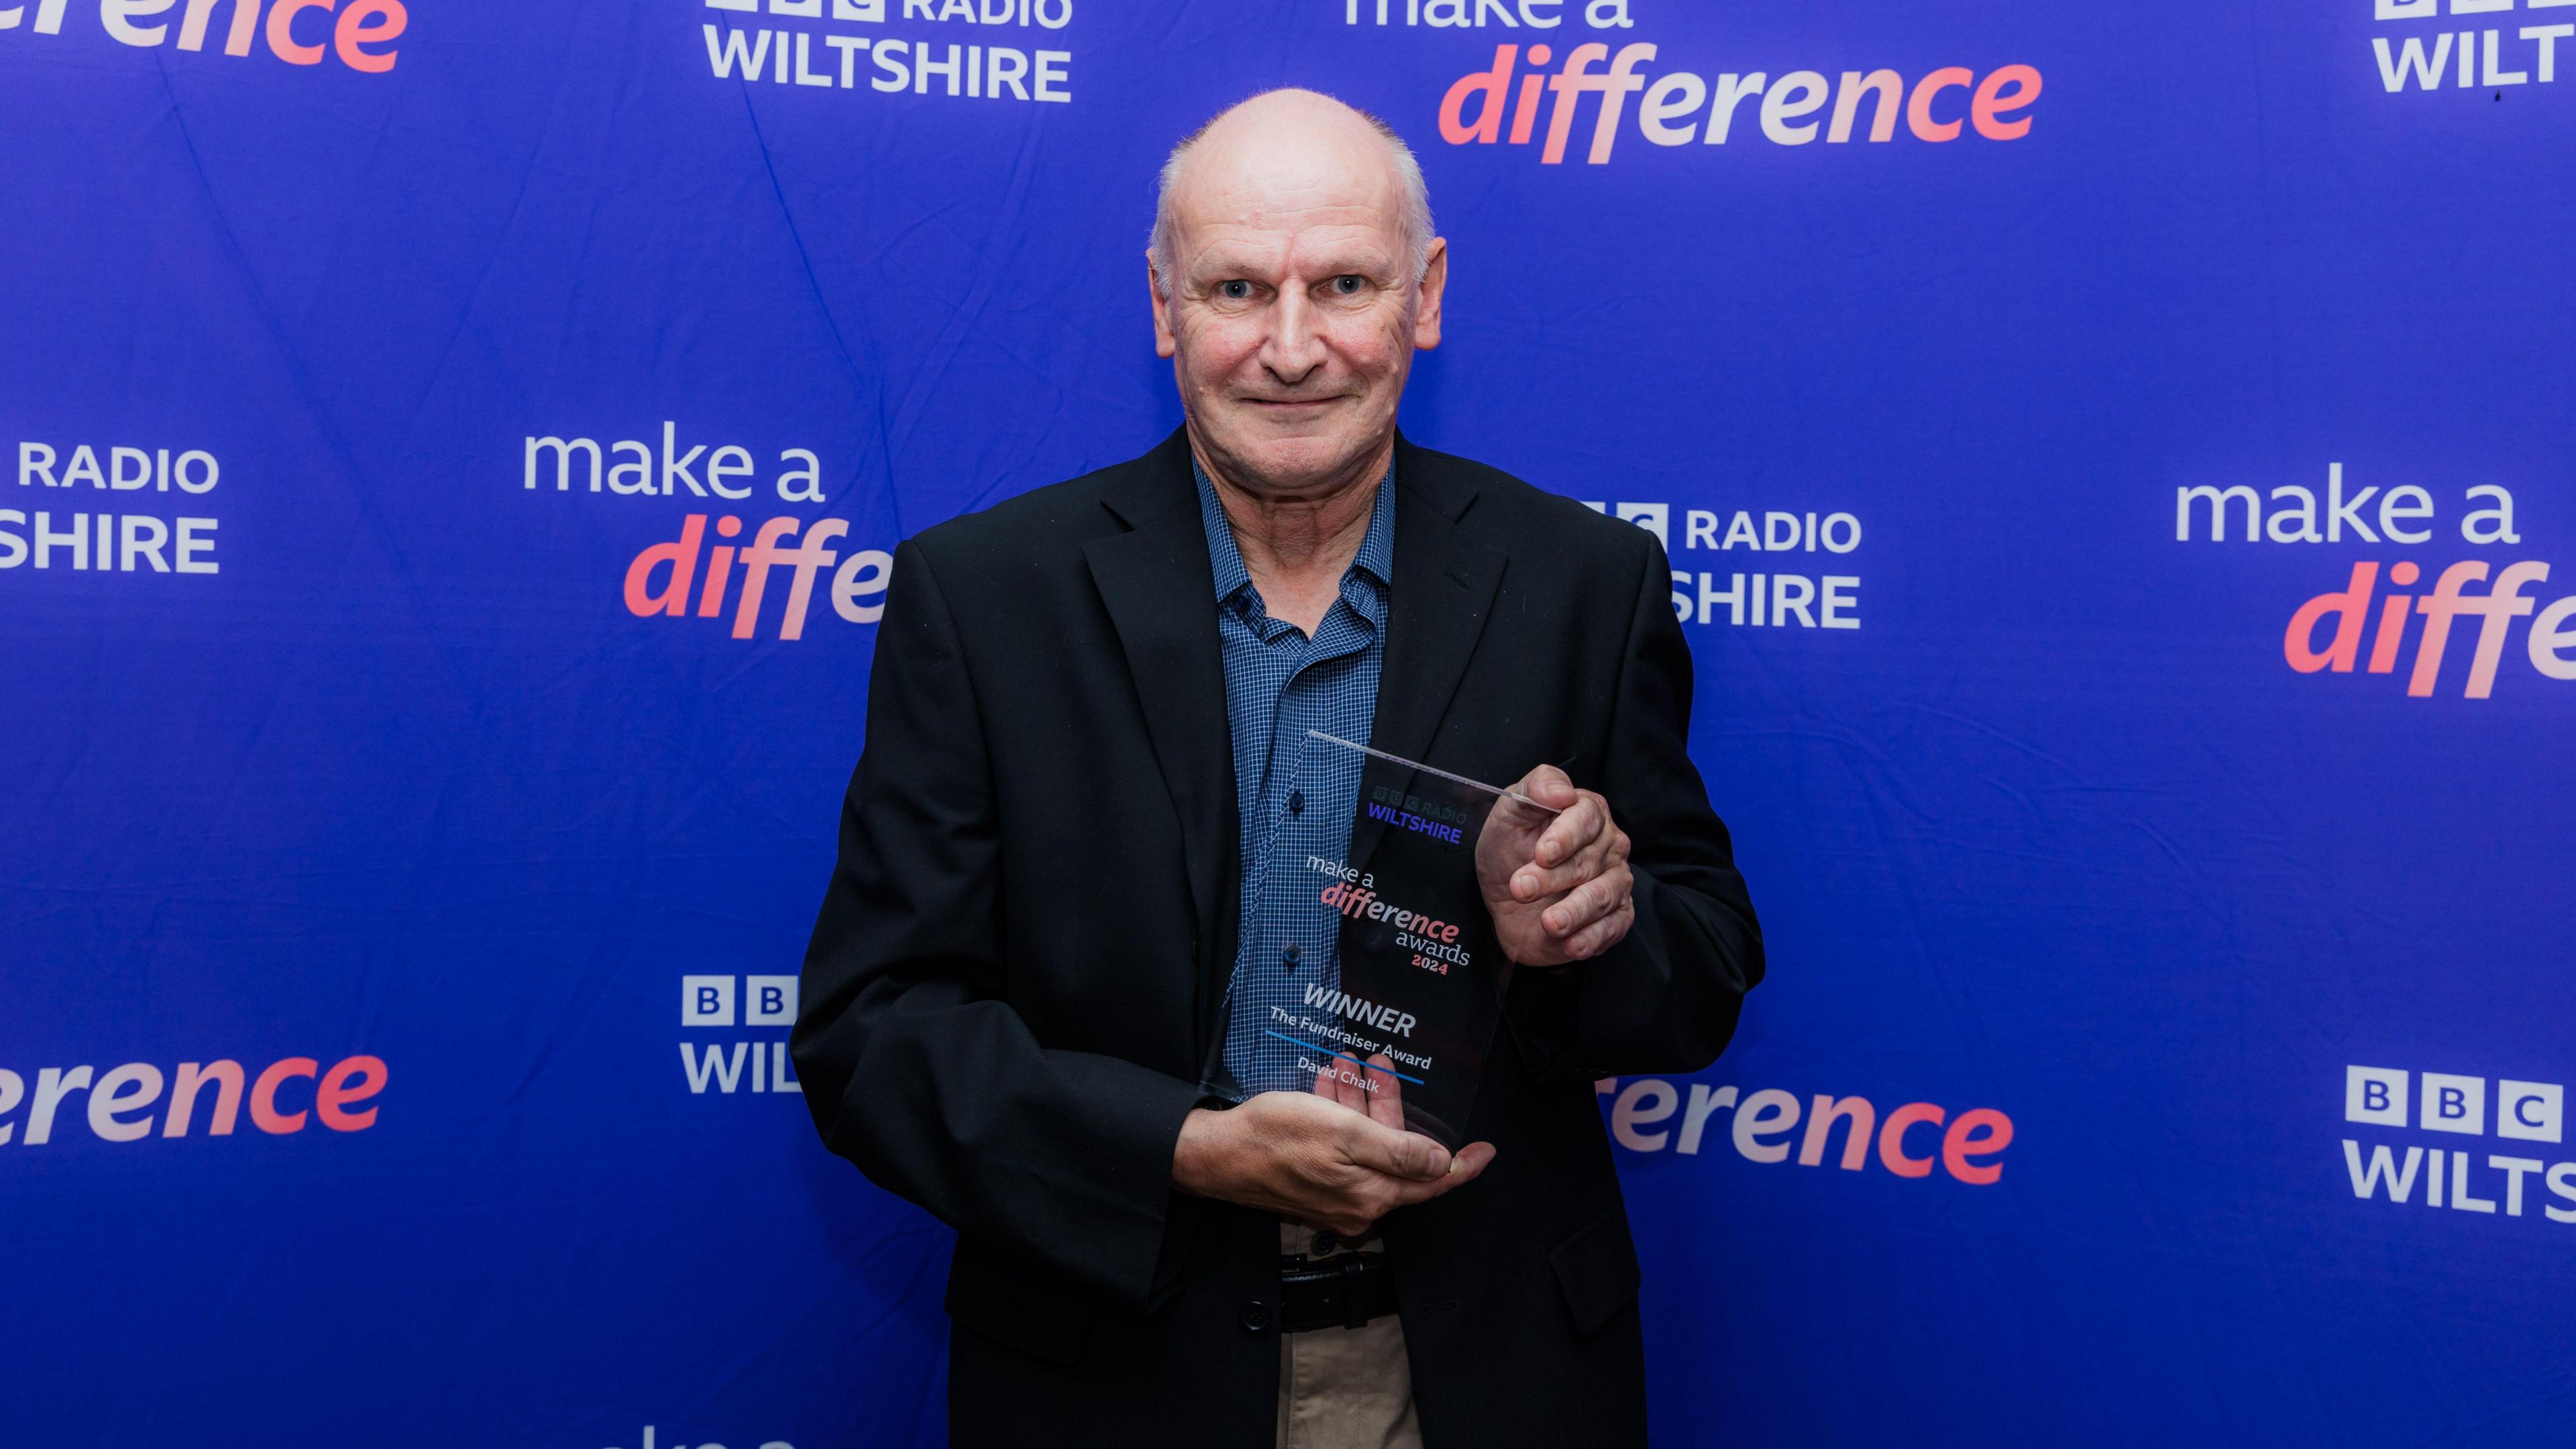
x=1309, y=1159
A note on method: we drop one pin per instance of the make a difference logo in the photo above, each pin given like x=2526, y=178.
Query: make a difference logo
x=357, y=34
x=2423, y=621
x=138, y=1101
x=720, y=566
x=1554, y=66
x=1910, y=1141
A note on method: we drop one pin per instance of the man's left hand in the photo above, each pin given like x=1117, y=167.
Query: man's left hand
x=1559, y=888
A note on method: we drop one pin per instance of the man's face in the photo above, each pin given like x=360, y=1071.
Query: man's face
x=1292, y=322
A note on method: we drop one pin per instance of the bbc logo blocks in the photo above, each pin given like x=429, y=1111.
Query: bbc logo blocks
x=2443, y=1102
x=719, y=1069
x=709, y=1000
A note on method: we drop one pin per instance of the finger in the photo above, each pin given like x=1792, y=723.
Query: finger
x=1533, y=885
x=1386, y=1103
x=1576, y=826
x=1604, y=853
x=1347, y=1077
x=1576, y=848
x=1601, y=935
x=1509, y=814
x=1589, y=903
x=1330, y=1086
x=1470, y=1162
x=1380, y=1148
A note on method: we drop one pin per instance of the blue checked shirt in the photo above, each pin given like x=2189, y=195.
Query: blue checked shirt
x=1293, y=802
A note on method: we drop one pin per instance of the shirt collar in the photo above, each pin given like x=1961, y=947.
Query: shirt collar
x=1377, y=549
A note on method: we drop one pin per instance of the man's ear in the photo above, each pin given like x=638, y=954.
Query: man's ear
x=1166, y=343
x=1435, y=280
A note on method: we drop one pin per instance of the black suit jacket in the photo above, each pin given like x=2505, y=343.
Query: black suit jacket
x=1018, y=965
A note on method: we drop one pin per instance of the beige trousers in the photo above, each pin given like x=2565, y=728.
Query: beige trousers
x=1344, y=1388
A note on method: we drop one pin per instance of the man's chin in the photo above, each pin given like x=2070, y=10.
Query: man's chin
x=1294, y=459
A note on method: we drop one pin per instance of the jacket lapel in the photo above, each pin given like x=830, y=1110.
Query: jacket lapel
x=1445, y=583
x=1160, y=591
x=1161, y=595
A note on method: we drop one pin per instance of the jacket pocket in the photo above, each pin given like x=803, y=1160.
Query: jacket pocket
x=1016, y=1304
x=1597, y=1267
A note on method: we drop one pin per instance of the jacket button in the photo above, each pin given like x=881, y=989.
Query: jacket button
x=1256, y=1315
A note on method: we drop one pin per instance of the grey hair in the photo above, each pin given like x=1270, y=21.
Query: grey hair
x=1418, y=234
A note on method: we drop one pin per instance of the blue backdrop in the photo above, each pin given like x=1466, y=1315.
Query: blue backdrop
x=391, y=849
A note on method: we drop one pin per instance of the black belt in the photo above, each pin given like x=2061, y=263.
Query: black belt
x=1342, y=1292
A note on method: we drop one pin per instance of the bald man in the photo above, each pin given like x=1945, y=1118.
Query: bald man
x=1083, y=729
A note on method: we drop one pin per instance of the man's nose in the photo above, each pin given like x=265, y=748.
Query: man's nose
x=1294, y=347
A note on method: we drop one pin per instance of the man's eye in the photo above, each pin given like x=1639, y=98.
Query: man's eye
x=1236, y=290
x=1348, y=284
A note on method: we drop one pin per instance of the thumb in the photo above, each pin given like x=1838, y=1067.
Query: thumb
x=1397, y=1154
x=1550, y=787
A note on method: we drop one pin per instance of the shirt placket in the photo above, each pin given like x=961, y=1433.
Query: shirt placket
x=1296, y=948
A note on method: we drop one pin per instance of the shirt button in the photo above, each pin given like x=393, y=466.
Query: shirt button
x=1288, y=958
x=1296, y=802
x=1256, y=1315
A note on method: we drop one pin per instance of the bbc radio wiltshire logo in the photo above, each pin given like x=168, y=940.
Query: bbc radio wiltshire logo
x=122, y=507
x=2468, y=45
x=1010, y=51
x=359, y=35
x=713, y=1060
x=1550, y=59
x=1818, y=587
x=2476, y=1143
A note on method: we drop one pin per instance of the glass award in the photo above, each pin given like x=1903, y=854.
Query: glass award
x=1370, y=971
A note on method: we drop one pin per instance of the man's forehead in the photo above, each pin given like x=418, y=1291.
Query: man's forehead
x=1334, y=240
x=1303, y=225
x=1251, y=167
x=1269, y=222
x=1292, y=167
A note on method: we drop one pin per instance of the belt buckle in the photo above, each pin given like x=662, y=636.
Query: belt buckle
x=1332, y=1290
